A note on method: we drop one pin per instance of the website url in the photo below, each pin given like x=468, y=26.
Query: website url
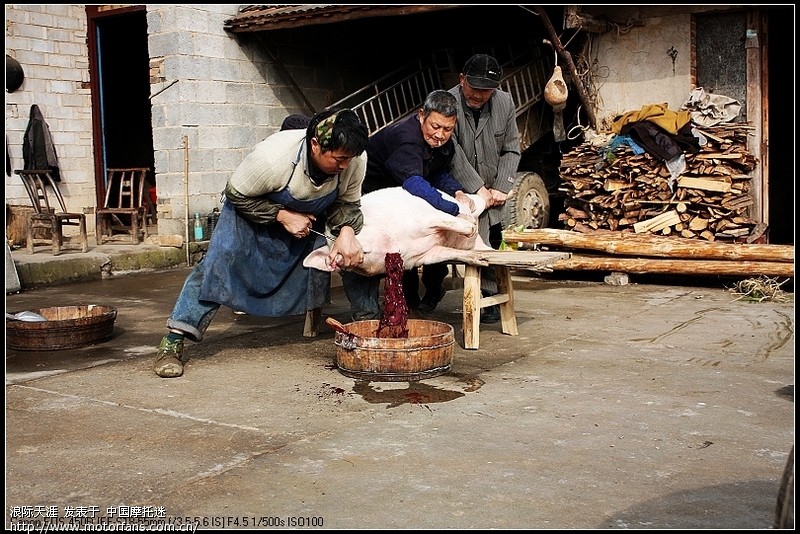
x=42, y=527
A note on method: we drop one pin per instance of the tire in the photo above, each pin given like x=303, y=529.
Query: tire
x=529, y=205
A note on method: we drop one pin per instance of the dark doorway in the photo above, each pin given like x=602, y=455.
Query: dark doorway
x=780, y=123
x=119, y=63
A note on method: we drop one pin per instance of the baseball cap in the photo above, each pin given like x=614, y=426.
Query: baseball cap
x=483, y=72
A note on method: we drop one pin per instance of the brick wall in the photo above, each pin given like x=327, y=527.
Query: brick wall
x=213, y=92
x=223, y=97
x=49, y=41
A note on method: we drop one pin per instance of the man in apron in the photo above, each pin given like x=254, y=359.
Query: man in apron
x=293, y=181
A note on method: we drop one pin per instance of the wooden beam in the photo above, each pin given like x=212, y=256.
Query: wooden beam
x=625, y=243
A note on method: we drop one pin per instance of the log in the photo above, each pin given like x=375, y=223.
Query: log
x=704, y=184
x=626, y=243
x=667, y=266
x=657, y=223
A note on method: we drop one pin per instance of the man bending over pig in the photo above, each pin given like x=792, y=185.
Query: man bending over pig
x=293, y=182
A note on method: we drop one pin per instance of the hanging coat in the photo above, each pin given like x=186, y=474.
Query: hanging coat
x=38, y=150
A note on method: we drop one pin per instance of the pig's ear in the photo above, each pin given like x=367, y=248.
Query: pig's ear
x=318, y=260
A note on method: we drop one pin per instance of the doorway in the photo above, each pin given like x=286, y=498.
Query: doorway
x=722, y=68
x=779, y=40
x=119, y=66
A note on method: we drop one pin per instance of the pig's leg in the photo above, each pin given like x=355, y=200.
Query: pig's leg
x=457, y=225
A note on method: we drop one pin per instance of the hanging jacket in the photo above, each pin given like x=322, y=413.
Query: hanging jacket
x=38, y=150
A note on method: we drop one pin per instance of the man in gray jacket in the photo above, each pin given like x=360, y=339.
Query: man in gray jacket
x=487, y=152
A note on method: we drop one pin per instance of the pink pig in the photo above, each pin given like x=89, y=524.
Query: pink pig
x=397, y=221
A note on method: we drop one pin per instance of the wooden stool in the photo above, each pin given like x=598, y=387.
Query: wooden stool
x=503, y=262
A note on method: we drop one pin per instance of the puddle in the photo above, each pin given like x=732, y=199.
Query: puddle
x=416, y=393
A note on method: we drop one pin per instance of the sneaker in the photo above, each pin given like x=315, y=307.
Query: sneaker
x=490, y=315
x=169, y=360
x=430, y=301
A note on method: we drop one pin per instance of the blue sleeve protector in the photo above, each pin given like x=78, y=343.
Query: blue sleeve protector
x=445, y=182
x=419, y=187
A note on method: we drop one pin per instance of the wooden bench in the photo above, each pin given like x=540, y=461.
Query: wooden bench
x=503, y=262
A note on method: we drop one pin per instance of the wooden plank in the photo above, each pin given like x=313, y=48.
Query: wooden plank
x=527, y=259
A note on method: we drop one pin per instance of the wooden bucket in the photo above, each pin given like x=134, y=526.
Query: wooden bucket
x=425, y=353
x=66, y=327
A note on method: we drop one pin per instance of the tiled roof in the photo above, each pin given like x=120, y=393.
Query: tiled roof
x=256, y=18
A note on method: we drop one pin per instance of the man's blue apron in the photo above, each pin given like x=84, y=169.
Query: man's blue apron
x=258, y=268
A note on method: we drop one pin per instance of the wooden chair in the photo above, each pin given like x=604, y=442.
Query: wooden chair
x=40, y=184
x=124, y=210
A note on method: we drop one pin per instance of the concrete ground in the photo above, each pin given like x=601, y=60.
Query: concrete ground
x=648, y=405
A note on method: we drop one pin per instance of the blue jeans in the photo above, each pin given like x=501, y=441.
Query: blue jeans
x=363, y=292
x=191, y=315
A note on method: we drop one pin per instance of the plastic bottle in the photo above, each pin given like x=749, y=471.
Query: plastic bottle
x=198, y=227
x=212, y=221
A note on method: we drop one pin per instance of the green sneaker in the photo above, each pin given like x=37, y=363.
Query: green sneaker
x=169, y=360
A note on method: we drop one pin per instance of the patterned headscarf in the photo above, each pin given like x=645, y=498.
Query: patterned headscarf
x=324, y=132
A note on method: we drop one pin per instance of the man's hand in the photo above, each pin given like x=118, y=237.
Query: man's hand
x=346, y=252
x=297, y=224
x=498, y=197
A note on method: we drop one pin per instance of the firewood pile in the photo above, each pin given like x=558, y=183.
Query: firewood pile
x=620, y=191
x=622, y=215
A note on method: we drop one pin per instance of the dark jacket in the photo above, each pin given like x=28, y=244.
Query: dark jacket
x=487, y=154
x=399, y=152
x=38, y=149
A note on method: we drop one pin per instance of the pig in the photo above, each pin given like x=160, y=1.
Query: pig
x=398, y=222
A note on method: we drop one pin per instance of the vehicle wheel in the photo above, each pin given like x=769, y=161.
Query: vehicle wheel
x=529, y=205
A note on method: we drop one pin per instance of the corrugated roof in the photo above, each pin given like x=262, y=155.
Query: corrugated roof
x=256, y=18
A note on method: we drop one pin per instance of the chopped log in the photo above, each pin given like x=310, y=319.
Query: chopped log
x=718, y=155
x=704, y=184
x=669, y=266
x=657, y=223
x=616, y=187
x=576, y=213
x=626, y=243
